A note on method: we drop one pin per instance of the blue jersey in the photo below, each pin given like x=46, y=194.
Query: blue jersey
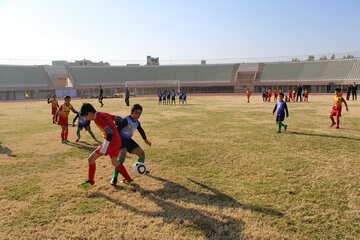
x=128, y=131
x=281, y=108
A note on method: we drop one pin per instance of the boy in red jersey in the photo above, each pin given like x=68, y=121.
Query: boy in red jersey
x=54, y=106
x=110, y=146
x=62, y=115
x=248, y=94
x=269, y=94
x=338, y=100
x=306, y=95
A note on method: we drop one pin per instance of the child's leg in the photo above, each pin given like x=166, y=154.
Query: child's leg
x=62, y=132
x=337, y=121
x=120, y=160
x=332, y=120
x=280, y=124
x=66, y=133
x=121, y=169
x=92, y=167
x=78, y=134
x=140, y=153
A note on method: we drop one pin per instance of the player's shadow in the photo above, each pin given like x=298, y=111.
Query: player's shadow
x=212, y=225
x=6, y=150
x=83, y=146
x=324, y=135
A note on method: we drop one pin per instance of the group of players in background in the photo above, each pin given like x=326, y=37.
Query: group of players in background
x=168, y=97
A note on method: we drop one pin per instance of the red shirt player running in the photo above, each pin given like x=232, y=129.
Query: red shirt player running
x=338, y=100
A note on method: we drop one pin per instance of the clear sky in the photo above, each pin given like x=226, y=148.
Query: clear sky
x=182, y=29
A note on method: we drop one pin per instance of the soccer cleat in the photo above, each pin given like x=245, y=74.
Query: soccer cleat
x=337, y=127
x=285, y=127
x=131, y=182
x=279, y=131
x=333, y=124
x=64, y=142
x=113, y=181
x=77, y=139
x=86, y=184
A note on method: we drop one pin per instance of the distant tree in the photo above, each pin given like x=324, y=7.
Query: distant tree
x=323, y=58
x=348, y=56
x=332, y=57
x=295, y=60
x=311, y=58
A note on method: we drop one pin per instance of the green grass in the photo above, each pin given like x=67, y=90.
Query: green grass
x=219, y=170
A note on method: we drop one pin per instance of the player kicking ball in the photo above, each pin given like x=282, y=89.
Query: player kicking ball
x=110, y=146
x=126, y=128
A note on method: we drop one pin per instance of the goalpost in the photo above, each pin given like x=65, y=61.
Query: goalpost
x=139, y=86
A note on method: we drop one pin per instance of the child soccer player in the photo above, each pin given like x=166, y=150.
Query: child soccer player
x=127, y=128
x=110, y=146
x=160, y=97
x=173, y=96
x=54, y=106
x=101, y=96
x=280, y=109
x=82, y=123
x=62, y=115
x=306, y=95
x=248, y=94
x=336, y=109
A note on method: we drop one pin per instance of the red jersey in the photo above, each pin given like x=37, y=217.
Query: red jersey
x=103, y=120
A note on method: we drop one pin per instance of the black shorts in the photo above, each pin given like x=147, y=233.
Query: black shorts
x=129, y=144
x=86, y=126
x=280, y=117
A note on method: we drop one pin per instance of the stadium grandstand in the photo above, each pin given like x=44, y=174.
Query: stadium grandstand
x=82, y=78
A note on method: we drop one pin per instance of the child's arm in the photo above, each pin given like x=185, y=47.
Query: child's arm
x=57, y=113
x=274, y=110
x=143, y=135
x=49, y=100
x=122, y=124
x=74, y=111
x=74, y=120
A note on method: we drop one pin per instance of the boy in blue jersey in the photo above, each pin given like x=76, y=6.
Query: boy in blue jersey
x=280, y=109
x=173, y=96
x=82, y=123
x=126, y=128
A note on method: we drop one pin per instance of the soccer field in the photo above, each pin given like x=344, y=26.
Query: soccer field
x=219, y=170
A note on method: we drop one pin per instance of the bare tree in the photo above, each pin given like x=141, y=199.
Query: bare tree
x=311, y=58
x=323, y=58
x=348, y=56
x=332, y=57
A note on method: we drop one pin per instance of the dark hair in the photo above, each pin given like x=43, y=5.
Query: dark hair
x=337, y=90
x=281, y=94
x=136, y=107
x=86, y=108
x=66, y=97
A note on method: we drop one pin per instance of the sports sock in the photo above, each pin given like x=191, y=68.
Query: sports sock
x=141, y=159
x=91, y=173
x=122, y=170
x=62, y=136
x=78, y=133
x=91, y=134
x=120, y=160
x=66, y=135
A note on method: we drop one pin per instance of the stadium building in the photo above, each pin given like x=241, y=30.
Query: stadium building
x=82, y=78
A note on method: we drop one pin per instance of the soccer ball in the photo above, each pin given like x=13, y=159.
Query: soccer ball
x=139, y=169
